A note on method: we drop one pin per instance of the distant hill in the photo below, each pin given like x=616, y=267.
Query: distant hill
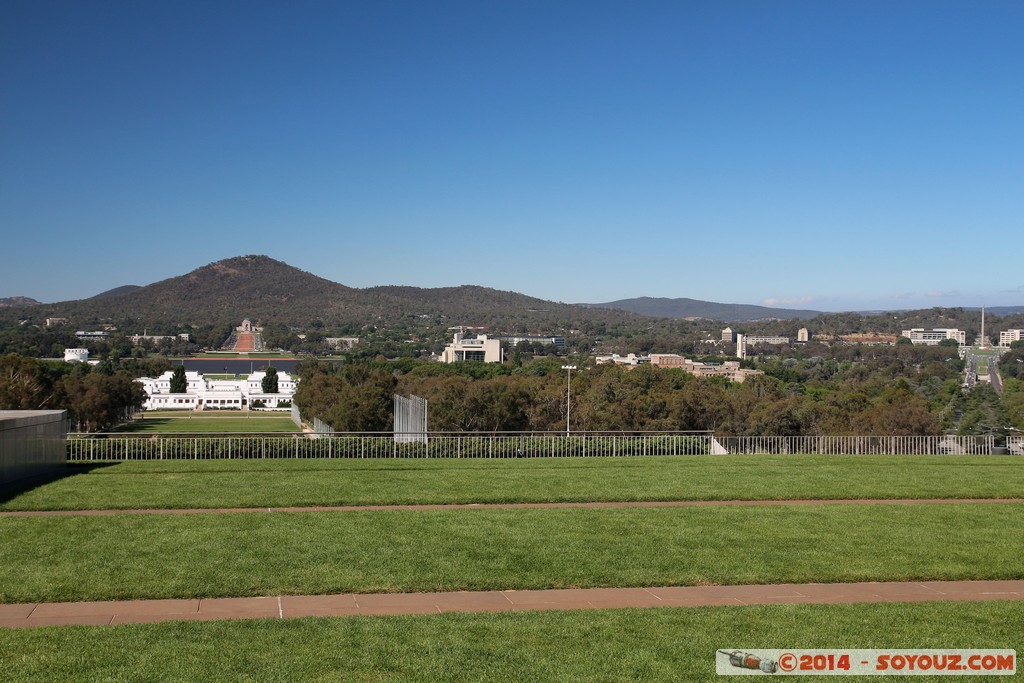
x=17, y=301
x=694, y=308
x=118, y=291
x=1002, y=310
x=263, y=289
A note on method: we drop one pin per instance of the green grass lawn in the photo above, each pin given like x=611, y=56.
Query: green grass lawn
x=668, y=644
x=227, y=421
x=247, y=554
x=283, y=483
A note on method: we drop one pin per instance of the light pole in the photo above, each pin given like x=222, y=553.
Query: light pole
x=568, y=395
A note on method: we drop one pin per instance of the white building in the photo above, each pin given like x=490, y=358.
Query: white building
x=1007, y=337
x=76, y=355
x=137, y=339
x=803, y=335
x=629, y=359
x=213, y=394
x=919, y=335
x=480, y=348
x=751, y=339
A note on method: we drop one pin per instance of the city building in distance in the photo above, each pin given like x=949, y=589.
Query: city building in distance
x=557, y=341
x=730, y=368
x=217, y=394
x=137, y=339
x=1007, y=337
x=481, y=348
x=924, y=337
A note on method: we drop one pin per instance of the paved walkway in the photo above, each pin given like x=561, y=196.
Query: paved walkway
x=290, y=606
x=514, y=506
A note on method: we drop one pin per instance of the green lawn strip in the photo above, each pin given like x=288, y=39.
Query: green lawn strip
x=53, y=559
x=225, y=423
x=285, y=483
x=601, y=645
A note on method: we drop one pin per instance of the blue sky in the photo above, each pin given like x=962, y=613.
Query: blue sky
x=828, y=155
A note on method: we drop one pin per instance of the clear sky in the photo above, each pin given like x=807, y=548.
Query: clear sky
x=829, y=155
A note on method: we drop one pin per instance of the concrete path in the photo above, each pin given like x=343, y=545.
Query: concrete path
x=290, y=606
x=513, y=506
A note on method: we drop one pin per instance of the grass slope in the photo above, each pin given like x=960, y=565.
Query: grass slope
x=232, y=422
x=284, y=483
x=225, y=554
x=603, y=645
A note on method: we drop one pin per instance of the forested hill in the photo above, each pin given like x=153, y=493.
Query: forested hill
x=263, y=289
x=710, y=310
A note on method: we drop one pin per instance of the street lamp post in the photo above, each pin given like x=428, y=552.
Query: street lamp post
x=568, y=395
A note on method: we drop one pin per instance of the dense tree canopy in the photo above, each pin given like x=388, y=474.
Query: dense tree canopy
x=881, y=390
x=96, y=398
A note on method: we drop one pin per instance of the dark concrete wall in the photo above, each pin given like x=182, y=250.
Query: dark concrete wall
x=32, y=442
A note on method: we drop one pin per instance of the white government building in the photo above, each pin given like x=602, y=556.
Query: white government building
x=481, y=349
x=217, y=394
x=1007, y=337
x=932, y=337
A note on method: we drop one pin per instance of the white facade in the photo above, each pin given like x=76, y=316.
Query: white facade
x=803, y=335
x=629, y=359
x=213, y=394
x=136, y=339
x=767, y=340
x=1007, y=337
x=919, y=335
x=76, y=355
x=481, y=349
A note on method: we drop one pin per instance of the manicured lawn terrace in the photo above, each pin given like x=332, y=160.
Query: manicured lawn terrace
x=286, y=483
x=51, y=559
x=604, y=645
x=228, y=422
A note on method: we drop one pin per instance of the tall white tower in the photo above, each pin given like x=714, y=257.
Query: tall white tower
x=984, y=342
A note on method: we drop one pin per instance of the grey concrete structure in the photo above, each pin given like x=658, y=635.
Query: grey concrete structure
x=32, y=442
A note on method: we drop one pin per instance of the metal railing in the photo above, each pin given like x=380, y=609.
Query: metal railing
x=859, y=445
x=168, y=446
x=171, y=446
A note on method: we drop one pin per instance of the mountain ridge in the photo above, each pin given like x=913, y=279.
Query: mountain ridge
x=682, y=307
x=258, y=287
x=263, y=289
x=10, y=301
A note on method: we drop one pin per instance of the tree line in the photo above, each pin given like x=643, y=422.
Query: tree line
x=96, y=397
x=846, y=391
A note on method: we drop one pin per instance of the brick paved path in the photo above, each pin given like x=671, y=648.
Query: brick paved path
x=290, y=606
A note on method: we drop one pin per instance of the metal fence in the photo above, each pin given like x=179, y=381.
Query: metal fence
x=1015, y=445
x=858, y=445
x=89, y=447
x=506, y=445
x=410, y=423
